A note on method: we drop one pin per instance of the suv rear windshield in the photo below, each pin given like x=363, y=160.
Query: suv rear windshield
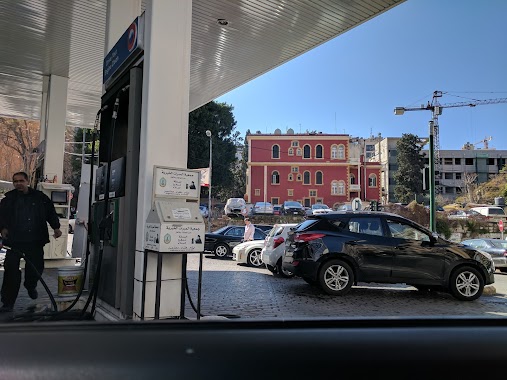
x=496, y=211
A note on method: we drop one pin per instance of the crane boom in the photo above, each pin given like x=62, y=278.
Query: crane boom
x=430, y=106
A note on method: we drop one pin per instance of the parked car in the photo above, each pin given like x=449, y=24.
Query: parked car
x=235, y=207
x=293, y=208
x=263, y=208
x=249, y=252
x=465, y=214
x=204, y=211
x=320, y=208
x=497, y=248
x=221, y=241
x=490, y=211
x=336, y=251
x=274, y=248
x=277, y=210
x=344, y=207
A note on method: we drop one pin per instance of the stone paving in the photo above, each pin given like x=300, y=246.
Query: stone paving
x=244, y=292
x=238, y=290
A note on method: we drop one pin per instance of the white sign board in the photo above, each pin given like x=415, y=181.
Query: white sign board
x=175, y=237
x=356, y=204
x=176, y=183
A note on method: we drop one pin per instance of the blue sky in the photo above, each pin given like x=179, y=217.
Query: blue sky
x=352, y=83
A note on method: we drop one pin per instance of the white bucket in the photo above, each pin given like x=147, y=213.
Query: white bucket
x=70, y=280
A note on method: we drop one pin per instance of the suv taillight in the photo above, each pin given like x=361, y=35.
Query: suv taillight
x=306, y=237
x=278, y=241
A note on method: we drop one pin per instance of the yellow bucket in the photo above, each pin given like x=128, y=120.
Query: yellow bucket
x=70, y=280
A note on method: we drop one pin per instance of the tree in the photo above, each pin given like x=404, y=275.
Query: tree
x=410, y=163
x=218, y=118
x=19, y=138
x=470, y=187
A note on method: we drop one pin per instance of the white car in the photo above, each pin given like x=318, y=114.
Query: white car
x=235, y=207
x=320, y=208
x=274, y=249
x=263, y=208
x=249, y=253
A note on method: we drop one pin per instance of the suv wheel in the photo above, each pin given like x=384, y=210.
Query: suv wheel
x=254, y=258
x=466, y=284
x=222, y=250
x=336, y=277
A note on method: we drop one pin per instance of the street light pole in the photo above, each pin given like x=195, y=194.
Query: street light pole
x=433, y=224
x=208, y=133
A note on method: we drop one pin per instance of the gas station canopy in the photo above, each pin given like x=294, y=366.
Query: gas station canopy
x=233, y=42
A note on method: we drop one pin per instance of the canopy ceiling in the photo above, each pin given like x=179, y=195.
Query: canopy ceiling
x=66, y=38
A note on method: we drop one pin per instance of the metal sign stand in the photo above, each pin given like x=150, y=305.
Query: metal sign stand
x=173, y=226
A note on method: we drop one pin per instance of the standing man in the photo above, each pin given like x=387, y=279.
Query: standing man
x=249, y=230
x=23, y=215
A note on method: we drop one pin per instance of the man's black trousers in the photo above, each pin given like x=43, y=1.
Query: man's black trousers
x=12, y=275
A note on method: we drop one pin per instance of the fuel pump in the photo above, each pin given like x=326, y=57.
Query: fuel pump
x=55, y=252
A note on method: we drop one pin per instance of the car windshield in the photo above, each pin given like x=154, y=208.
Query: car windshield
x=178, y=134
x=221, y=230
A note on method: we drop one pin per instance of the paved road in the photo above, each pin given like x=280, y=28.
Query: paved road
x=232, y=289
x=250, y=293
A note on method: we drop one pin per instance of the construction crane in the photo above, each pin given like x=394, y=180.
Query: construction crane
x=468, y=146
x=436, y=109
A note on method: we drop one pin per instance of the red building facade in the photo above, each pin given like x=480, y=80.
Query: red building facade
x=309, y=168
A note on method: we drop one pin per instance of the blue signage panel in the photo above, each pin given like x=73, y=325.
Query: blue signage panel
x=127, y=47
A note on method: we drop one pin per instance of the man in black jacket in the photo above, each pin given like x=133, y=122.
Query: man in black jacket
x=23, y=215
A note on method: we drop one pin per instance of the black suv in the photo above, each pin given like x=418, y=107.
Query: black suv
x=338, y=250
x=292, y=208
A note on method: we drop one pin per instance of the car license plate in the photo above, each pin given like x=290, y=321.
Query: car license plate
x=295, y=212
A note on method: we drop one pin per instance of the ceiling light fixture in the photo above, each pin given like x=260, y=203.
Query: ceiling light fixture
x=222, y=22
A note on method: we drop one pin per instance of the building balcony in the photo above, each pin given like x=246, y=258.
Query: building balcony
x=353, y=188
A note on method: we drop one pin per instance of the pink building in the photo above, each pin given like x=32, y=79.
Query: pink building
x=309, y=168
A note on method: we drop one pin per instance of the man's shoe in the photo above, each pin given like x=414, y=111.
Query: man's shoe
x=6, y=308
x=33, y=293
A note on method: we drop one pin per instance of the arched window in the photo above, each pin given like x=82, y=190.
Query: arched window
x=306, y=151
x=306, y=178
x=298, y=178
x=275, y=178
x=341, y=187
x=275, y=151
x=291, y=177
x=372, y=180
x=334, y=188
x=334, y=152
x=291, y=152
x=352, y=179
x=319, y=153
x=318, y=178
x=341, y=152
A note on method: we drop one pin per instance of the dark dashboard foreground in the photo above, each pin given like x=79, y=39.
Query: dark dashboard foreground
x=374, y=349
